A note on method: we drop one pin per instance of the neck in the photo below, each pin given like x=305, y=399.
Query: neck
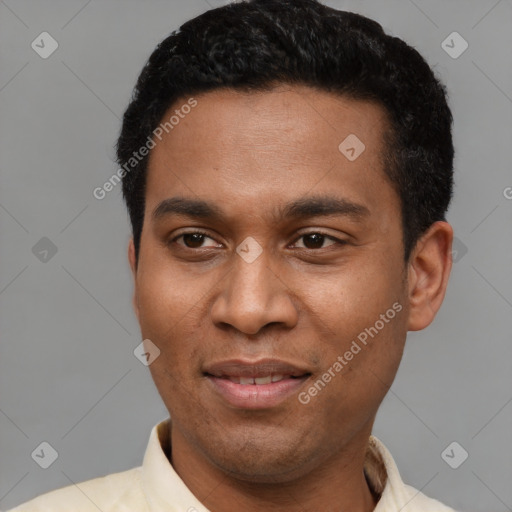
x=337, y=484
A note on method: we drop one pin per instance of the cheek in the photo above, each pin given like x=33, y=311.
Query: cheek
x=360, y=316
x=359, y=373
x=169, y=315
x=352, y=299
x=165, y=298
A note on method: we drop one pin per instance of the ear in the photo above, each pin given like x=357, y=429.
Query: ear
x=428, y=270
x=133, y=265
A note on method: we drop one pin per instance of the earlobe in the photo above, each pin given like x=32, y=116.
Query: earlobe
x=428, y=272
x=133, y=265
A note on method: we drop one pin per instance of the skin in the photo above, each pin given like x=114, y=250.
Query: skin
x=303, y=300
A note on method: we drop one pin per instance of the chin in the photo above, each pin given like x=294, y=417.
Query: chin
x=265, y=460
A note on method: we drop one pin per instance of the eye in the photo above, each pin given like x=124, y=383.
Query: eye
x=316, y=240
x=194, y=240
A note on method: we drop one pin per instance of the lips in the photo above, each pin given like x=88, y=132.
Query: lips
x=261, y=369
x=255, y=385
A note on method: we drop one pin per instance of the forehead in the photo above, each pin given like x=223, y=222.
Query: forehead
x=277, y=144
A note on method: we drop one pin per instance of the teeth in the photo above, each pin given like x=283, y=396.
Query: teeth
x=245, y=381
x=263, y=380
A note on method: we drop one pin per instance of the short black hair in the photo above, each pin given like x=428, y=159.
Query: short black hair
x=257, y=44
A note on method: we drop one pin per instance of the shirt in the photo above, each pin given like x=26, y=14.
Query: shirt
x=156, y=487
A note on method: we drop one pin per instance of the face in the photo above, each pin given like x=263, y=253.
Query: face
x=267, y=256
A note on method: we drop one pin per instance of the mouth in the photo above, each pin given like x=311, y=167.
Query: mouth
x=260, y=384
x=256, y=381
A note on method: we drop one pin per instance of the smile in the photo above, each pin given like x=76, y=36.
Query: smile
x=260, y=384
x=258, y=381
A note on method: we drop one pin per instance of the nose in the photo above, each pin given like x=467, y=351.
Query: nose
x=254, y=296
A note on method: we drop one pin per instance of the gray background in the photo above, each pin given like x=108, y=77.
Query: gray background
x=68, y=374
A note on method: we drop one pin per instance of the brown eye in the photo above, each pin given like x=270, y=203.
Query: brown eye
x=193, y=240
x=315, y=240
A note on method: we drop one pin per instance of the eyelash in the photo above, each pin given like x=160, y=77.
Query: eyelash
x=199, y=232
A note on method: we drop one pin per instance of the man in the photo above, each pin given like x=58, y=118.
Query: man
x=287, y=168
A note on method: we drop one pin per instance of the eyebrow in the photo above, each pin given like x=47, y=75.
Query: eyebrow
x=298, y=209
